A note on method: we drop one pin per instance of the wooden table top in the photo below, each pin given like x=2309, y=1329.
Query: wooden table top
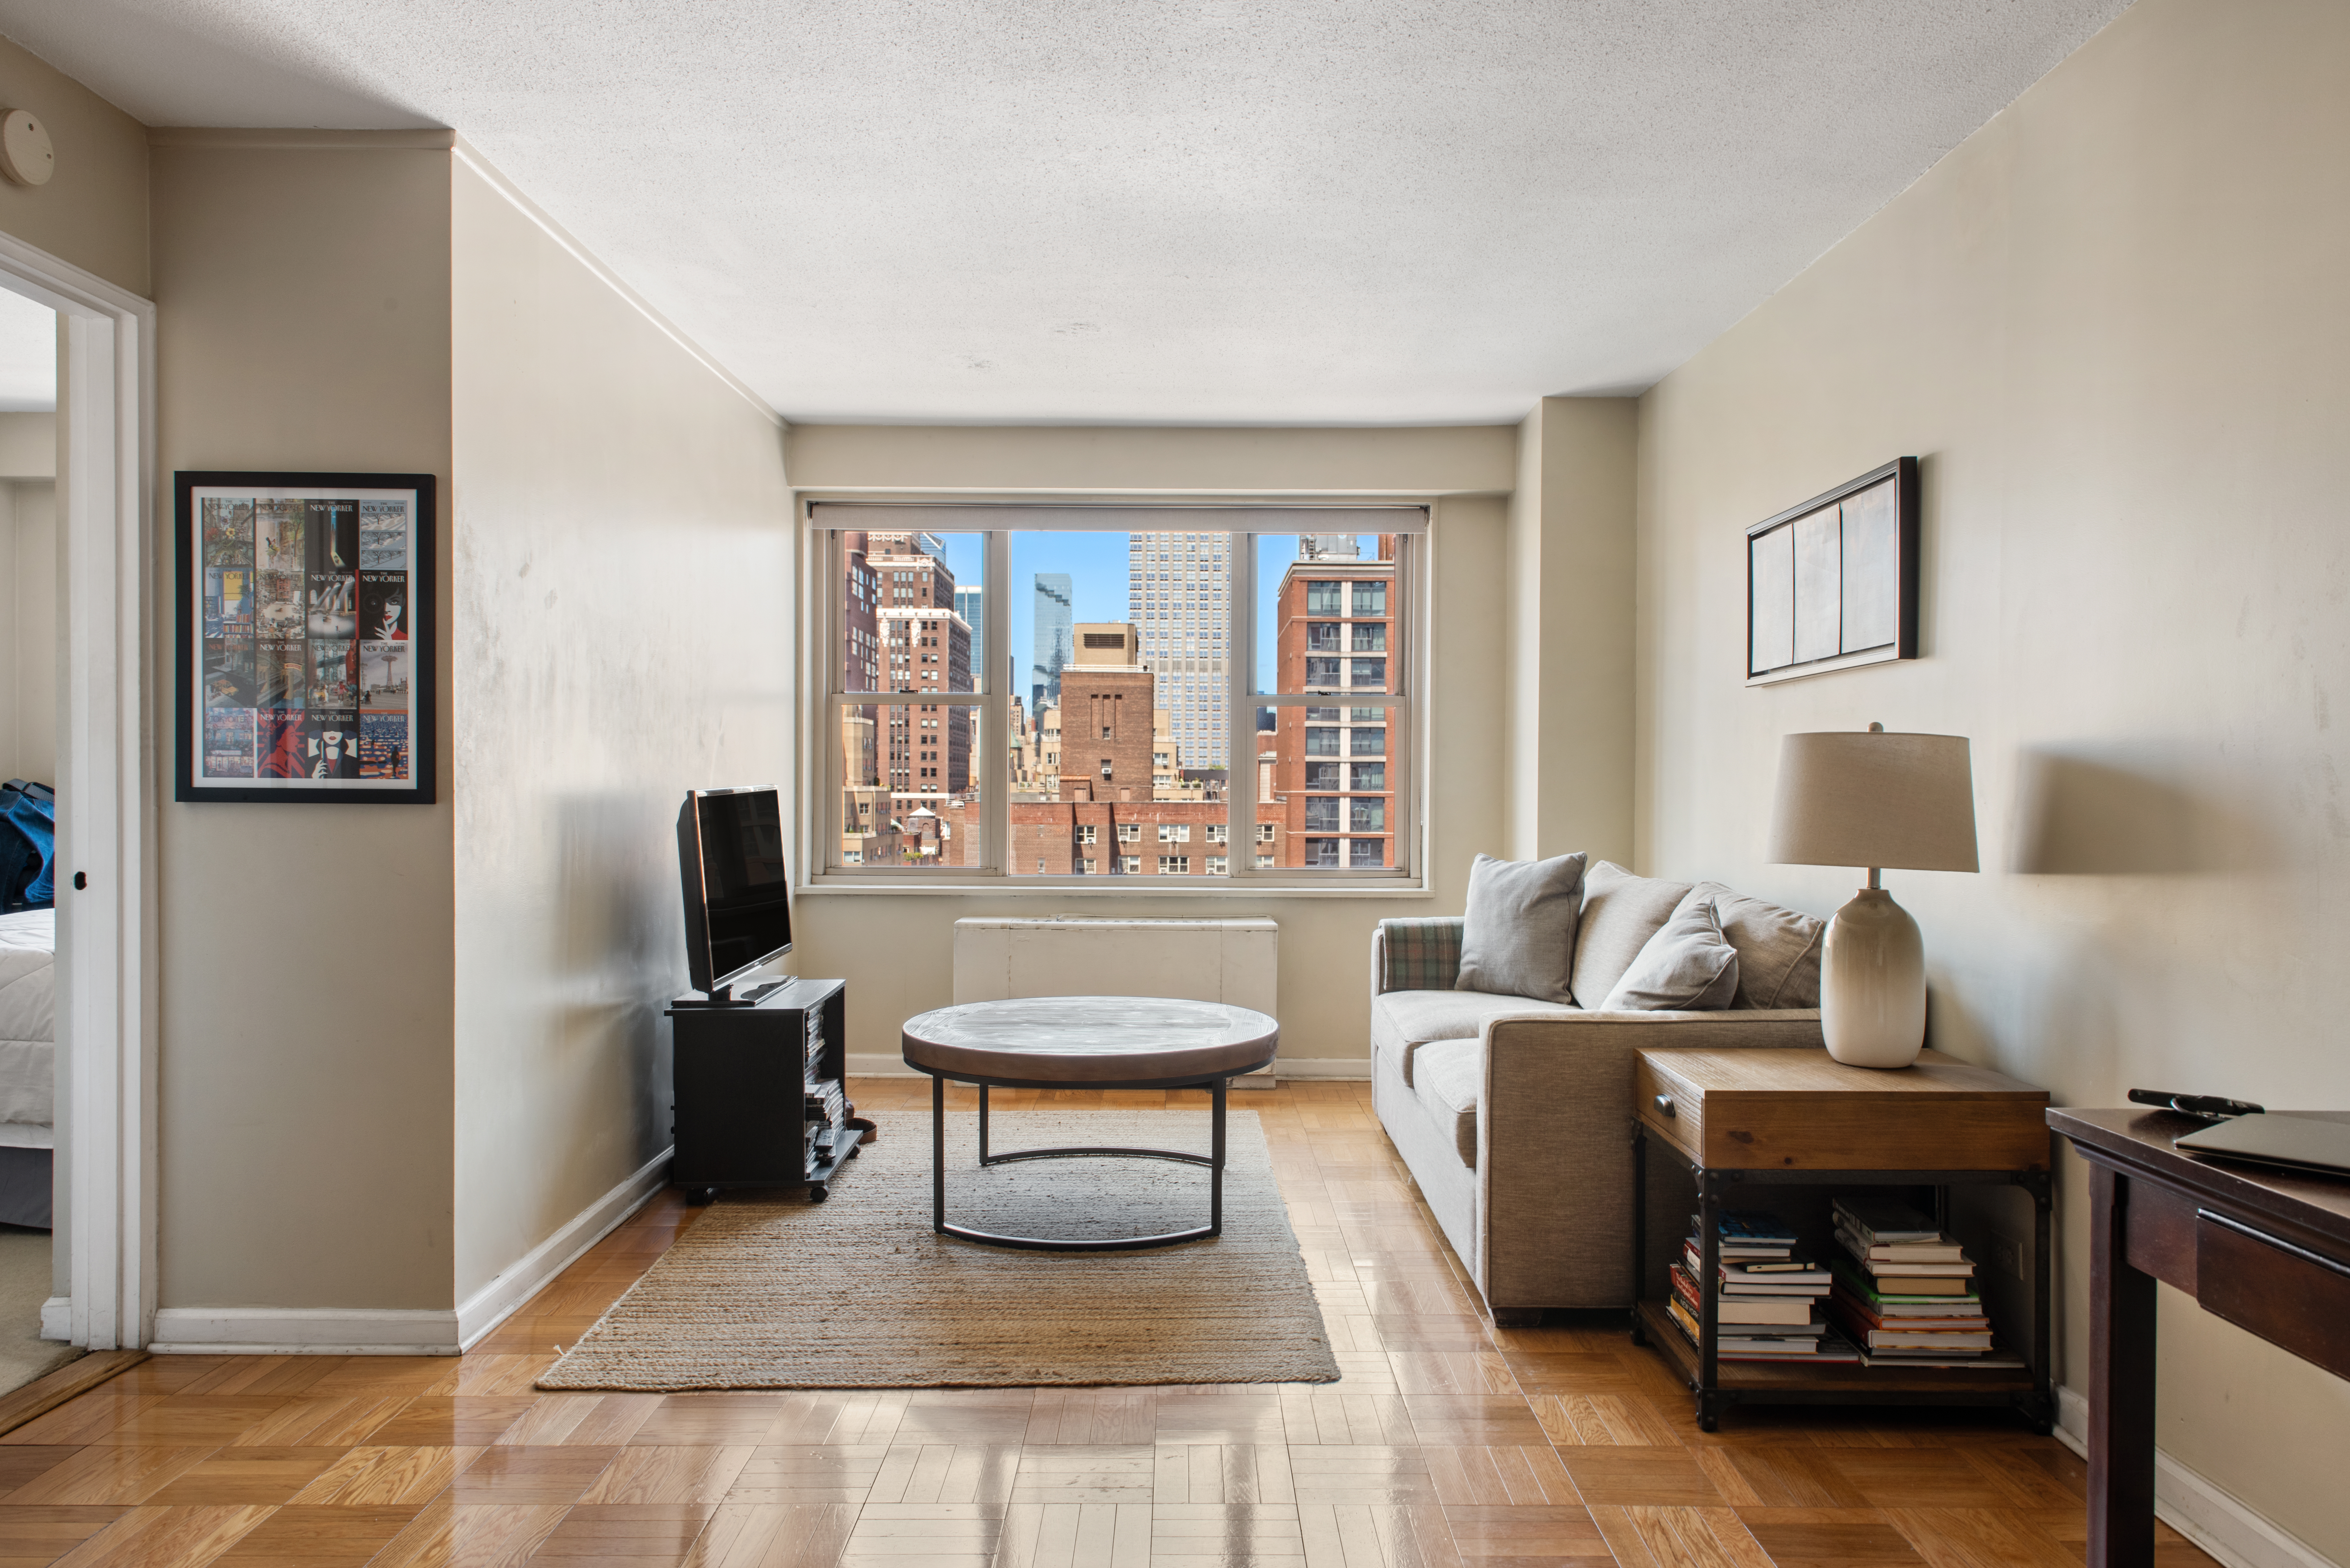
x=2142, y=1139
x=1801, y=1109
x=1098, y=1040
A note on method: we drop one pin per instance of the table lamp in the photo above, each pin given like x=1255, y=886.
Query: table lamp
x=1874, y=799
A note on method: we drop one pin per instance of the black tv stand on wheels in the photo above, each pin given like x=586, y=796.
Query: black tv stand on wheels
x=760, y=1091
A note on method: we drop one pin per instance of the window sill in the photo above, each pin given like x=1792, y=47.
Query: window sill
x=1087, y=887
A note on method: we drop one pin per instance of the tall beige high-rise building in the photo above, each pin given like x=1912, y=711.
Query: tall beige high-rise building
x=1179, y=596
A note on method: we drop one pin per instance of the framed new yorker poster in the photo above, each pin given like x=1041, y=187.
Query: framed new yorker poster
x=305, y=637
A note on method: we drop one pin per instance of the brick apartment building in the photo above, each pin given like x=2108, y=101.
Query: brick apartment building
x=1331, y=785
x=901, y=632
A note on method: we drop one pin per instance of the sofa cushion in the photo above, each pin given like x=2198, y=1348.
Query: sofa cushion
x=1688, y=966
x=1620, y=913
x=1778, y=949
x=1517, y=933
x=1404, y=1021
x=1451, y=1076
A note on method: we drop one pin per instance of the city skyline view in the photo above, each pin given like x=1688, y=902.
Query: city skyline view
x=1096, y=565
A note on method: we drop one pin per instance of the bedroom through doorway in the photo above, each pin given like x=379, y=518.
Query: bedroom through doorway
x=30, y=667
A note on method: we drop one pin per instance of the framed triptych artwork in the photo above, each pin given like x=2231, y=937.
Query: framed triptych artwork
x=305, y=637
x=1833, y=583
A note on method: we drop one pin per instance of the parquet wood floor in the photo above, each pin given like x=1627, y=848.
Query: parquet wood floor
x=1448, y=1445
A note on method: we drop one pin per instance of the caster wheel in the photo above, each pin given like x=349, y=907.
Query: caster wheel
x=854, y=1150
x=1708, y=1424
x=818, y=1194
x=699, y=1196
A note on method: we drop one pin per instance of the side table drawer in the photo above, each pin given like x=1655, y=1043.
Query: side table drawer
x=2289, y=1296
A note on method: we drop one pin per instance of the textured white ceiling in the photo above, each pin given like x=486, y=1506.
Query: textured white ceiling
x=1204, y=211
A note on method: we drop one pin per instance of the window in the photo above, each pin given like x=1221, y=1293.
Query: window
x=1367, y=813
x=1362, y=853
x=1174, y=864
x=943, y=740
x=1218, y=866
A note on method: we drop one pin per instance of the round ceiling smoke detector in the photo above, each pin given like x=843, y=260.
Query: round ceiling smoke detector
x=26, y=155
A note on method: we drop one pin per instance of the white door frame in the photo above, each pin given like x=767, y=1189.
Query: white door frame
x=106, y=797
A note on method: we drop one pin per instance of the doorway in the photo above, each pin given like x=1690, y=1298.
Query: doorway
x=79, y=680
x=29, y=774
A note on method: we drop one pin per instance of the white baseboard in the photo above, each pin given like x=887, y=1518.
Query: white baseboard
x=367, y=1331
x=876, y=1066
x=56, y=1318
x=2198, y=1508
x=302, y=1331
x=496, y=1302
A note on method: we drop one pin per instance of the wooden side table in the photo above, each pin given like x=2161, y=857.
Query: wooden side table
x=1794, y=1118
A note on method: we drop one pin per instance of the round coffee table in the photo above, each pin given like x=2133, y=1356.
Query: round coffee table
x=1086, y=1042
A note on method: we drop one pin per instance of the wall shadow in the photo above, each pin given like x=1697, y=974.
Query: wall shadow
x=2126, y=812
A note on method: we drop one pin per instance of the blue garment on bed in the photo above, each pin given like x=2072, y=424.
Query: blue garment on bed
x=32, y=817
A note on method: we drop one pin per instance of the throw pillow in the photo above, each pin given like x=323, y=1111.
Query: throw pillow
x=1778, y=949
x=1688, y=966
x=1620, y=913
x=1518, y=939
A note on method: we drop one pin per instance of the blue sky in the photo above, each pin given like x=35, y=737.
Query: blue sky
x=1097, y=567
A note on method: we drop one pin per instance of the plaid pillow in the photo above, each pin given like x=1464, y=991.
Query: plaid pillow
x=1421, y=955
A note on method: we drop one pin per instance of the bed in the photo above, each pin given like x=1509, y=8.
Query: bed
x=28, y=1064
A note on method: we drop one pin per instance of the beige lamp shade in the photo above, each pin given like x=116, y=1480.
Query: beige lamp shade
x=1869, y=798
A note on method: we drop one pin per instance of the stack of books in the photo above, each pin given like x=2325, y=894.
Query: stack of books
x=1766, y=1299
x=1907, y=1293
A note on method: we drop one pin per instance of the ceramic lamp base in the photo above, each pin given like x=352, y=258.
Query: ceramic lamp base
x=1872, y=983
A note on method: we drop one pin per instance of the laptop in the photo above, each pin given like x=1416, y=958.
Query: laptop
x=2318, y=1142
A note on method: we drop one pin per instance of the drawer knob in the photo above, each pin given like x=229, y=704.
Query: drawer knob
x=1665, y=1106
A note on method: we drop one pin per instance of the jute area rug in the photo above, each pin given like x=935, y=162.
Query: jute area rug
x=774, y=1291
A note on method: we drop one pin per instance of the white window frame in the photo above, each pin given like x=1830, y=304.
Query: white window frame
x=821, y=826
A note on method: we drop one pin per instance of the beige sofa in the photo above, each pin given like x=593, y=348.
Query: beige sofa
x=1516, y=1116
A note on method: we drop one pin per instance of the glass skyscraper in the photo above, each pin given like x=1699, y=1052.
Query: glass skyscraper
x=1055, y=641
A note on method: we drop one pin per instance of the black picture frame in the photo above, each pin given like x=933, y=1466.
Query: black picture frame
x=356, y=545
x=1833, y=583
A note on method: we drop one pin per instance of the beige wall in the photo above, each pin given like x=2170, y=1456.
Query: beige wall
x=2112, y=326
x=93, y=211
x=621, y=632
x=303, y=324
x=896, y=950
x=1568, y=675
x=28, y=629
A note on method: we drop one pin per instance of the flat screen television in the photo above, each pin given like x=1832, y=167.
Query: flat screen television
x=738, y=904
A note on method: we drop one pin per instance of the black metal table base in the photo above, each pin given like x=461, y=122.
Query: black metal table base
x=1213, y=1160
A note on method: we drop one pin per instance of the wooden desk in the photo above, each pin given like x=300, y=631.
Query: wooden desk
x=1763, y=1117
x=2267, y=1250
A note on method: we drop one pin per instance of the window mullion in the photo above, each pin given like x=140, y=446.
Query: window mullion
x=1239, y=683
x=995, y=720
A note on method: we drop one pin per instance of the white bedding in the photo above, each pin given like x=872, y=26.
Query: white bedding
x=29, y=1025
